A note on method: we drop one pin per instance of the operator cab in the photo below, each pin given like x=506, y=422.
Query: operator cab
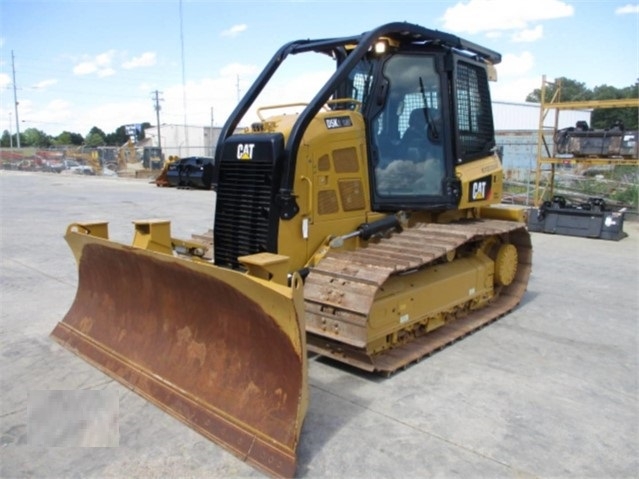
x=425, y=104
x=421, y=123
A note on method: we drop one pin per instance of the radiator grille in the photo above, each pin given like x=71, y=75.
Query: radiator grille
x=244, y=198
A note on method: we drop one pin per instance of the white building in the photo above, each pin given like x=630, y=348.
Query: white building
x=510, y=116
x=184, y=141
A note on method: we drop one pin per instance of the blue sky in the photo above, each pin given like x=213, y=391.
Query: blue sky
x=80, y=64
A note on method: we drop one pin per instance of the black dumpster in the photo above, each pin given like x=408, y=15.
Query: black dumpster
x=191, y=172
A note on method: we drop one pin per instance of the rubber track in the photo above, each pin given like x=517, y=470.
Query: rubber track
x=348, y=281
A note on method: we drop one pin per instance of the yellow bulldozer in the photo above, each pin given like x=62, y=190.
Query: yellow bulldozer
x=365, y=227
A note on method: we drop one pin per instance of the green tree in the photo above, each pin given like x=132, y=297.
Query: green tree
x=97, y=131
x=96, y=137
x=571, y=90
x=68, y=138
x=118, y=137
x=36, y=138
x=602, y=118
x=5, y=141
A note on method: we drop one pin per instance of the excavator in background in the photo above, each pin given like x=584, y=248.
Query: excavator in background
x=136, y=161
x=129, y=160
x=366, y=227
x=88, y=160
x=126, y=160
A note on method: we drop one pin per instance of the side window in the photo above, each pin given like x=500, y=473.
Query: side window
x=474, y=112
x=358, y=84
x=409, y=146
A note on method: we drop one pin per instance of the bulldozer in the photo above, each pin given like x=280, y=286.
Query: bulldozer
x=365, y=227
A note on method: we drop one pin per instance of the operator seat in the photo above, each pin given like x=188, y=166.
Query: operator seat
x=417, y=141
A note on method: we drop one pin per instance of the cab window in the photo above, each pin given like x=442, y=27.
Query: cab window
x=407, y=132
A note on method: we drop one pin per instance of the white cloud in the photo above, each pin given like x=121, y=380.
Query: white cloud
x=26, y=109
x=58, y=105
x=45, y=83
x=147, y=59
x=514, y=90
x=235, y=69
x=514, y=78
x=627, y=9
x=528, y=35
x=477, y=16
x=494, y=34
x=109, y=116
x=5, y=80
x=105, y=72
x=234, y=31
x=84, y=68
x=219, y=93
x=515, y=65
x=48, y=118
x=100, y=64
x=104, y=59
x=54, y=113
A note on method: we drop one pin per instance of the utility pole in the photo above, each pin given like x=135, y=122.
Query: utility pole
x=186, y=128
x=15, y=97
x=157, y=114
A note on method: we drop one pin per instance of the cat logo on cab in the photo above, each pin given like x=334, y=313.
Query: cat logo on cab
x=245, y=151
x=480, y=190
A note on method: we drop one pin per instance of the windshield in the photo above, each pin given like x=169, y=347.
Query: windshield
x=407, y=132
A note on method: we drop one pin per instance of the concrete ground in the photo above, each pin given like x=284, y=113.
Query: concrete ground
x=549, y=391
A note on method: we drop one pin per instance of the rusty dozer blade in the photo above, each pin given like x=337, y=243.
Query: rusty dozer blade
x=220, y=350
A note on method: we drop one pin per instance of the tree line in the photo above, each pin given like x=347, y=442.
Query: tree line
x=571, y=90
x=601, y=118
x=32, y=137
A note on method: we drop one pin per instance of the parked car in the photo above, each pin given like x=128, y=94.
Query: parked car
x=78, y=168
x=53, y=166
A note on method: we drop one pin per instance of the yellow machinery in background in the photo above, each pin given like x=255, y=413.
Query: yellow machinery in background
x=89, y=159
x=161, y=179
